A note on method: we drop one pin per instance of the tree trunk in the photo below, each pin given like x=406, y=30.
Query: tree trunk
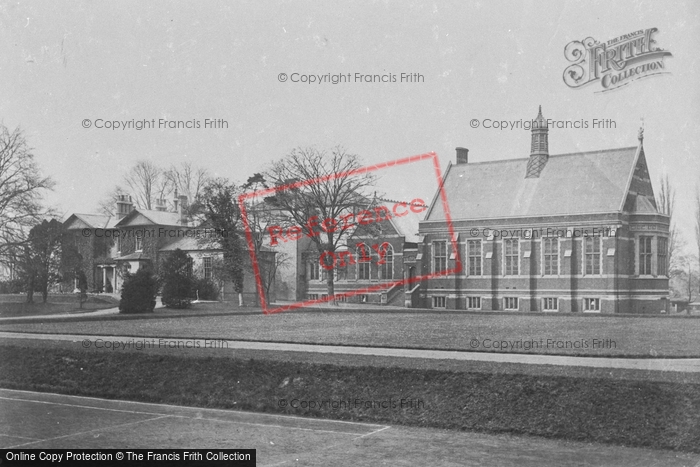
x=240, y=299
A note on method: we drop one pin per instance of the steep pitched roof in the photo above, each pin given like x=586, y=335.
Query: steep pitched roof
x=93, y=221
x=577, y=183
x=150, y=217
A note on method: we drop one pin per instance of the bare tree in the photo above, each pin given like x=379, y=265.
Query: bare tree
x=187, y=180
x=260, y=215
x=21, y=191
x=144, y=180
x=316, y=186
x=666, y=203
x=108, y=204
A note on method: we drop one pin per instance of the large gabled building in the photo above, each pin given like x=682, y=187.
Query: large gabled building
x=576, y=232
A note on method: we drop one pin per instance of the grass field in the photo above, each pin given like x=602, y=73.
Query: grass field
x=652, y=414
x=15, y=304
x=582, y=335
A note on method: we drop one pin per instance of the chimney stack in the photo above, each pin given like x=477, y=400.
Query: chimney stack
x=124, y=206
x=462, y=155
x=182, y=209
x=160, y=205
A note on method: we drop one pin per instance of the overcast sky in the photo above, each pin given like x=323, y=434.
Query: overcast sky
x=64, y=62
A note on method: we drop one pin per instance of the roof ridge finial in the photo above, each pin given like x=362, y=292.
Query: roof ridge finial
x=640, y=135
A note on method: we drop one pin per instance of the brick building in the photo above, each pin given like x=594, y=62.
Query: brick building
x=135, y=238
x=576, y=232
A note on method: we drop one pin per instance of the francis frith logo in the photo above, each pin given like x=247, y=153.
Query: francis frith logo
x=615, y=63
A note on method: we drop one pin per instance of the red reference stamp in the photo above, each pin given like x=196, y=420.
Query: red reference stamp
x=314, y=226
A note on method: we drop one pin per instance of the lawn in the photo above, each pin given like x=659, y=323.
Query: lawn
x=584, y=335
x=15, y=304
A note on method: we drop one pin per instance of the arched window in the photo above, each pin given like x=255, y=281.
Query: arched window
x=386, y=256
x=364, y=262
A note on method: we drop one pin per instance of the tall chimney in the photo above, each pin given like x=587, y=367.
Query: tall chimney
x=462, y=155
x=182, y=209
x=160, y=205
x=124, y=206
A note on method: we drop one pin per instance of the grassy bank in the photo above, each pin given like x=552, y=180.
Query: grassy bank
x=635, y=413
x=16, y=305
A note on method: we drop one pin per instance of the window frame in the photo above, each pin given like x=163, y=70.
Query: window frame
x=469, y=303
x=208, y=267
x=596, y=242
x=645, y=254
x=553, y=242
x=662, y=259
x=513, y=257
x=588, y=309
x=472, y=257
x=506, y=302
x=363, y=263
x=441, y=299
x=442, y=257
x=554, y=301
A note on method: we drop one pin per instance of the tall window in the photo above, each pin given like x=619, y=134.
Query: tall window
x=139, y=242
x=386, y=270
x=550, y=246
x=312, y=267
x=439, y=256
x=341, y=273
x=645, y=255
x=511, y=255
x=592, y=255
x=474, y=247
x=206, y=261
x=364, y=260
x=662, y=258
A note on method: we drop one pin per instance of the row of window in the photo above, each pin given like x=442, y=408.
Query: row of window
x=512, y=303
x=550, y=256
x=369, y=265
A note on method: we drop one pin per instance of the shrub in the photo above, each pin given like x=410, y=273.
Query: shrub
x=176, y=276
x=207, y=289
x=11, y=286
x=139, y=293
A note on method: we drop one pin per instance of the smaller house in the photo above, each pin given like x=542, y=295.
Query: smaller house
x=111, y=246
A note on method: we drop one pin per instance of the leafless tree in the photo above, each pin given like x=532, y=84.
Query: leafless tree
x=666, y=203
x=187, y=180
x=21, y=190
x=144, y=181
x=315, y=185
x=108, y=204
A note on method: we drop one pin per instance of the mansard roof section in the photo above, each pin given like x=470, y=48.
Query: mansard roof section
x=577, y=183
x=139, y=217
x=89, y=221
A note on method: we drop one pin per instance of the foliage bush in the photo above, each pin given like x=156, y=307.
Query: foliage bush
x=11, y=286
x=177, y=280
x=139, y=293
x=207, y=289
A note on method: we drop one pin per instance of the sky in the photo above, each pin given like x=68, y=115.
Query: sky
x=67, y=63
